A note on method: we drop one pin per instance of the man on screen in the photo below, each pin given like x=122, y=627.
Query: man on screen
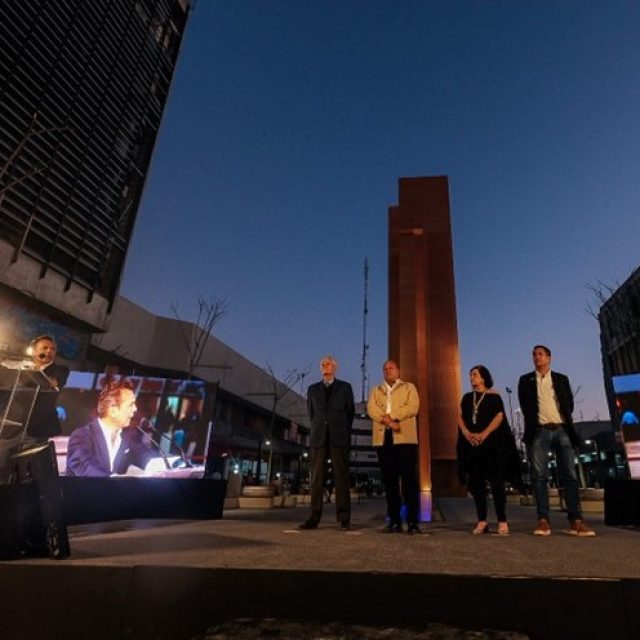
x=105, y=447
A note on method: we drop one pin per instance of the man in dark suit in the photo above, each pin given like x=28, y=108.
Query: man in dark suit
x=105, y=446
x=331, y=411
x=546, y=401
x=51, y=377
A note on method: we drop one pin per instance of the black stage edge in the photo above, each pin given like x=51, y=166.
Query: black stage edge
x=622, y=503
x=87, y=500
x=146, y=602
x=31, y=521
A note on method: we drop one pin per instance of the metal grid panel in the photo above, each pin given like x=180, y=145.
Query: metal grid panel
x=97, y=76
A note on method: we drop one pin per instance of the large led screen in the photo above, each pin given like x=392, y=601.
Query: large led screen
x=167, y=436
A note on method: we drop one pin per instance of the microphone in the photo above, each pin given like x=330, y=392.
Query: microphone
x=50, y=381
x=183, y=457
x=163, y=455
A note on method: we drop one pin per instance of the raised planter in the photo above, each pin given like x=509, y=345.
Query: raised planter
x=592, y=500
x=256, y=497
x=230, y=503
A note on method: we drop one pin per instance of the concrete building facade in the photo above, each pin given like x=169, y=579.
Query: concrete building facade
x=83, y=86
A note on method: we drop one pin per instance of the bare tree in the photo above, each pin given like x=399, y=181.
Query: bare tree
x=210, y=311
x=601, y=293
x=279, y=389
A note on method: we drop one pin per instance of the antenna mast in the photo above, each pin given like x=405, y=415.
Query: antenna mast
x=365, y=346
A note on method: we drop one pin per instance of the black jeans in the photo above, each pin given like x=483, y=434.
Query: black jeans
x=340, y=462
x=398, y=464
x=478, y=488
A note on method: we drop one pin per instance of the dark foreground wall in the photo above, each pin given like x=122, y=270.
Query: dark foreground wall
x=102, y=499
x=622, y=503
x=64, y=601
x=35, y=512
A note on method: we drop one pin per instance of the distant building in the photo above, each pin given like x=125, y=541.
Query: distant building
x=83, y=86
x=619, y=319
x=601, y=453
x=365, y=471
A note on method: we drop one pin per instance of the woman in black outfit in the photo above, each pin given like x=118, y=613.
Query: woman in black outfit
x=486, y=448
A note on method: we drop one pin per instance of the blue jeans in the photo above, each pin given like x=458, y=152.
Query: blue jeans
x=543, y=442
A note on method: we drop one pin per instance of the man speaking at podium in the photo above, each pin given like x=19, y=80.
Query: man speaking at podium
x=44, y=422
x=105, y=447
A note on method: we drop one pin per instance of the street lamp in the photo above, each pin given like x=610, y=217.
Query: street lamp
x=598, y=461
x=266, y=394
x=509, y=391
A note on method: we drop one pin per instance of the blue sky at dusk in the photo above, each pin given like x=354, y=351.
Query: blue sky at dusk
x=290, y=122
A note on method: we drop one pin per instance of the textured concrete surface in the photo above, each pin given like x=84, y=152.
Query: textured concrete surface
x=269, y=540
x=249, y=629
x=172, y=580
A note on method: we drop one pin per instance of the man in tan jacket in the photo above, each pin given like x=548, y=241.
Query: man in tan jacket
x=393, y=407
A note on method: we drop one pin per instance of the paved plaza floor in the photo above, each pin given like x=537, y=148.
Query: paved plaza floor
x=269, y=539
x=253, y=574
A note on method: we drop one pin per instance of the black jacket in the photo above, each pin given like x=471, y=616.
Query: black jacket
x=334, y=417
x=528, y=397
x=44, y=421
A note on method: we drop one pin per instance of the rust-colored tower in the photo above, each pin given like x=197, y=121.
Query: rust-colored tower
x=423, y=334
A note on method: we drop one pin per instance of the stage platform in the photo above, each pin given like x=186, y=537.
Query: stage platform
x=172, y=579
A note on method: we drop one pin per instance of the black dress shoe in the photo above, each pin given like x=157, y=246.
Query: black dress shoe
x=413, y=529
x=392, y=527
x=344, y=526
x=308, y=524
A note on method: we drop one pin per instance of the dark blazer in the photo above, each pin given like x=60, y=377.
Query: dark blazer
x=44, y=421
x=334, y=417
x=528, y=397
x=88, y=456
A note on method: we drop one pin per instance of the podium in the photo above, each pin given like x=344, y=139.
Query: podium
x=18, y=392
x=31, y=521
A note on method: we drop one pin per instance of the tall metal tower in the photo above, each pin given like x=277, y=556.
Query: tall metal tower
x=365, y=346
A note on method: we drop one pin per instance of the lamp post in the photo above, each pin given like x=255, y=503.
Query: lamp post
x=268, y=394
x=269, y=445
x=304, y=456
x=598, y=467
x=258, y=461
x=509, y=391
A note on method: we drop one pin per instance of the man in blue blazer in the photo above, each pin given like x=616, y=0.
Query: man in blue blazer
x=546, y=401
x=331, y=411
x=105, y=447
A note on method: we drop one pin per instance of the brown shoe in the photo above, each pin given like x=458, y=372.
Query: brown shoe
x=543, y=528
x=579, y=528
